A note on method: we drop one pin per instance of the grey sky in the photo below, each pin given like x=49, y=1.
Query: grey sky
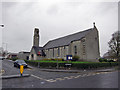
x=56, y=19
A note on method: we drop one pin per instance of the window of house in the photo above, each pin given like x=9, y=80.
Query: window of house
x=75, y=49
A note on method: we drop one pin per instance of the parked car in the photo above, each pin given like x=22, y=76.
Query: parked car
x=17, y=63
x=2, y=58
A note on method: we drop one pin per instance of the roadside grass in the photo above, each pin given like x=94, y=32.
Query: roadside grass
x=74, y=64
x=45, y=61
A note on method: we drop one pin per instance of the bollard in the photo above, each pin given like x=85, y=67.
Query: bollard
x=21, y=69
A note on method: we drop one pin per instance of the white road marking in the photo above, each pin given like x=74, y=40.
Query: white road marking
x=97, y=73
x=51, y=80
x=77, y=76
x=67, y=78
x=60, y=79
x=37, y=77
x=89, y=74
x=70, y=77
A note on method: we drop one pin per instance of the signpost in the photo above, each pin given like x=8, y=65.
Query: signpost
x=21, y=69
x=69, y=57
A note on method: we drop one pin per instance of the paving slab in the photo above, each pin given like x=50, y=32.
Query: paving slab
x=14, y=76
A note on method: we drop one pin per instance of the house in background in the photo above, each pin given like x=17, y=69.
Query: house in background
x=23, y=55
x=12, y=55
x=84, y=44
x=110, y=56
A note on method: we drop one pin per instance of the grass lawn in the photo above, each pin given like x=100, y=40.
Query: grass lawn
x=45, y=61
x=75, y=64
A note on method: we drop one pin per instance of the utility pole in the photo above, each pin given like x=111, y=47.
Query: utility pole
x=2, y=39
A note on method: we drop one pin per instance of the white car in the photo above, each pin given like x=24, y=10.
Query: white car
x=2, y=58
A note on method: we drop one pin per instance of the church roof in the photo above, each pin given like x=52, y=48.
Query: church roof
x=66, y=40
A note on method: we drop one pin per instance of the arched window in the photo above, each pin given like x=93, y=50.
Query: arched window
x=53, y=52
x=58, y=51
x=32, y=55
x=75, y=50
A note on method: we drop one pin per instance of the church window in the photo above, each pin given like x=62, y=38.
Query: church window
x=32, y=55
x=83, y=49
x=53, y=52
x=58, y=51
x=75, y=50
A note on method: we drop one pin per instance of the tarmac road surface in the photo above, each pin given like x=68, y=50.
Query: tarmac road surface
x=43, y=79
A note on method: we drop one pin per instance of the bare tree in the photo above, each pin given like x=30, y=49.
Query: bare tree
x=114, y=44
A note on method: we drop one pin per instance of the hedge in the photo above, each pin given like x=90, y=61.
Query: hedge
x=73, y=64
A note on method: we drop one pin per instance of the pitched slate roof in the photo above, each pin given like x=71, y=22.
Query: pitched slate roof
x=67, y=39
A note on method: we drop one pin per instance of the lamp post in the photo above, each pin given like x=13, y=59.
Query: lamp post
x=6, y=44
x=2, y=25
x=2, y=39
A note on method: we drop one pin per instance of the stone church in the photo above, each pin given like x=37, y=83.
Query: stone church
x=84, y=44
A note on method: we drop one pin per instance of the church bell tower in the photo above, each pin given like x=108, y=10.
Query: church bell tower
x=36, y=37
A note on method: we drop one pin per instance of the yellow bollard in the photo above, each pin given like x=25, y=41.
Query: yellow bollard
x=21, y=69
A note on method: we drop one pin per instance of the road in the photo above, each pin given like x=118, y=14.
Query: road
x=42, y=79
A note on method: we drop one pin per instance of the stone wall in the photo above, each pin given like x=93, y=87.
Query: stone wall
x=59, y=52
x=80, y=50
x=92, y=46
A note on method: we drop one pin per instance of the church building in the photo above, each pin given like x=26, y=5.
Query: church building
x=84, y=44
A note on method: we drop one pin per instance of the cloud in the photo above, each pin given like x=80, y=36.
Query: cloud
x=56, y=19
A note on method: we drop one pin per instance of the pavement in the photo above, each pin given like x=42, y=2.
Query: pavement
x=14, y=76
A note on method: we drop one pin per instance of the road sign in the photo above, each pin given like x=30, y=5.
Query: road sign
x=69, y=57
x=21, y=69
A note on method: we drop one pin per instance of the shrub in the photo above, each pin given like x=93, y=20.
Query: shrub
x=52, y=59
x=75, y=58
x=15, y=58
x=111, y=61
x=102, y=60
x=59, y=59
x=77, y=65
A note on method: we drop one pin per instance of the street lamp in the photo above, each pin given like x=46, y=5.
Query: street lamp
x=2, y=39
x=5, y=45
x=2, y=25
